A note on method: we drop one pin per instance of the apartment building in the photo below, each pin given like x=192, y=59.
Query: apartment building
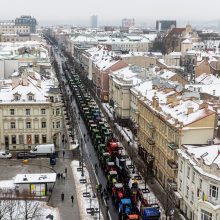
x=120, y=83
x=199, y=181
x=30, y=111
x=167, y=119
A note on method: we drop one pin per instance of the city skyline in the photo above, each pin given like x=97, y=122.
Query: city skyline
x=76, y=13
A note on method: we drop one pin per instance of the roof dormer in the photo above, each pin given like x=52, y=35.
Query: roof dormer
x=30, y=96
x=17, y=96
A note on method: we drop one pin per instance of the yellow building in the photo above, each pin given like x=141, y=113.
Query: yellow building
x=166, y=121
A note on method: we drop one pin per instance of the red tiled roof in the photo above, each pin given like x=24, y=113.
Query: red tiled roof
x=177, y=31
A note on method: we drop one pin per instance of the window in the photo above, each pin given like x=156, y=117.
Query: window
x=192, y=197
x=28, y=111
x=28, y=124
x=12, y=125
x=188, y=172
x=13, y=139
x=187, y=191
x=180, y=186
x=57, y=111
x=206, y=215
x=53, y=124
x=58, y=124
x=12, y=112
x=181, y=166
x=200, y=184
x=21, y=139
x=213, y=191
x=17, y=97
x=193, y=176
x=36, y=139
x=43, y=124
x=44, y=139
x=43, y=111
x=30, y=98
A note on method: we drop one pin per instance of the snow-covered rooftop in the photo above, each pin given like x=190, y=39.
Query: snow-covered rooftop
x=209, y=155
x=35, y=178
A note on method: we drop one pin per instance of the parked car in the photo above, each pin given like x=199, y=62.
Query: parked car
x=25, y=155
x=5, y=154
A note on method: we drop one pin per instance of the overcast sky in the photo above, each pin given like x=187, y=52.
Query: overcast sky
x=111, y=10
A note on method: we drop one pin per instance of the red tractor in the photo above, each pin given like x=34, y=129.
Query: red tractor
x=117, y=192
x=113, y=148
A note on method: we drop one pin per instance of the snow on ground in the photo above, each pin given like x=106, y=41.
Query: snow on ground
x=7, y=184
x=108, y=109
x=84, y=202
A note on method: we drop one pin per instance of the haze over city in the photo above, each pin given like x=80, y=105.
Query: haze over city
x=111, y=12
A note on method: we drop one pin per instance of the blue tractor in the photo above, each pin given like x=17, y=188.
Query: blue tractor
x=125, y=208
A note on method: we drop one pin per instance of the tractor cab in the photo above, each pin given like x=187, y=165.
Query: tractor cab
x=112, y=178
x=117, y=192
x=110, y=165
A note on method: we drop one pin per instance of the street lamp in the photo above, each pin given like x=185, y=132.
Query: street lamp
x=82, y=174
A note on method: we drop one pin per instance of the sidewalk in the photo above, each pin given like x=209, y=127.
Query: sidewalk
x=67, y=186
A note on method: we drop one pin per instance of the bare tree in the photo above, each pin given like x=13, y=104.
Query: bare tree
x=12, y=207
x=29, y=208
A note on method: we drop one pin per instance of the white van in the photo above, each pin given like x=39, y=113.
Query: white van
x=43, y=150
x=5, y=154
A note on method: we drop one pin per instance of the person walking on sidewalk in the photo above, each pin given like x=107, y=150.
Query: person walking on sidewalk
x=66, y=170
x=63, y=154
x=62, y=196
x=72, y=198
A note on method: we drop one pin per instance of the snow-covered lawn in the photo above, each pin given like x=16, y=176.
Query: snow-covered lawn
x=84, y=202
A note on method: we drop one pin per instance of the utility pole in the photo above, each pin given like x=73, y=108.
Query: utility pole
x=82, y=174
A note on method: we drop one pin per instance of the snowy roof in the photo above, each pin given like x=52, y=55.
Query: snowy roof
x=207, y=79
x=208, y=154
x=35, y=178
x=187, y=41
x=174, y=111
x=129, y=74
x=25, y=85
x=167, y=74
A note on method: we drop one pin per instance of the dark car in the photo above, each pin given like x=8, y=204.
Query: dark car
x=25, y=155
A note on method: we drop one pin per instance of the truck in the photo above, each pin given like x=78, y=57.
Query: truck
x=43, y=150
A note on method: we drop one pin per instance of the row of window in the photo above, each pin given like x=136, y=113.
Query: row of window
x=29, y=125
x=43, y=111
x=20, y=139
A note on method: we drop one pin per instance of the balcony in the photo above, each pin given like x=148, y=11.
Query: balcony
x=212, y=200
x=151, y=141
x=172, y=164
x=150, y=125
x=172, y=146
x=171, y=185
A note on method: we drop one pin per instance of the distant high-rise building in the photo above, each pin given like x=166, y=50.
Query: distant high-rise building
x=163, y=25
x=128, y=22
x=26, y=20
x=94, y=21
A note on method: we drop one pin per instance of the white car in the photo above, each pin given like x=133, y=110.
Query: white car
x=5, y=154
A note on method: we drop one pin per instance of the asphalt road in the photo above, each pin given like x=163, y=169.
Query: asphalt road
x=89, y=149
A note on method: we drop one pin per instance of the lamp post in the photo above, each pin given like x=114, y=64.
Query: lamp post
x=82, y=174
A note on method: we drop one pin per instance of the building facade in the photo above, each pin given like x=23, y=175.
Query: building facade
x=26, y=20
x=94, y=21
x=30, y=111
x=199, y=181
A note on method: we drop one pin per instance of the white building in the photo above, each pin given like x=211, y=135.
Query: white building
x=30, y=111
x=199, y=181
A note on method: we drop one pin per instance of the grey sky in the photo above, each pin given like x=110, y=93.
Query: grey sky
x=111, y=10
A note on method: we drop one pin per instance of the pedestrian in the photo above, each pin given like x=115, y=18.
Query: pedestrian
x=62, y=196
x=87, y=139
x=61, y=175
x=63, y=154
x=102, y=194
x=58, y=176
x=100, y=187
x=65, y=170
x=72, y=198
x=64, y=176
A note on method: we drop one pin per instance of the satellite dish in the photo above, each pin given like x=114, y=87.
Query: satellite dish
x=179, y=88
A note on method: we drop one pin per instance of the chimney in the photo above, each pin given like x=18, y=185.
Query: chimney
x=203, y=105
x=39, y=83
x=189, y=110
x=15, y=82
